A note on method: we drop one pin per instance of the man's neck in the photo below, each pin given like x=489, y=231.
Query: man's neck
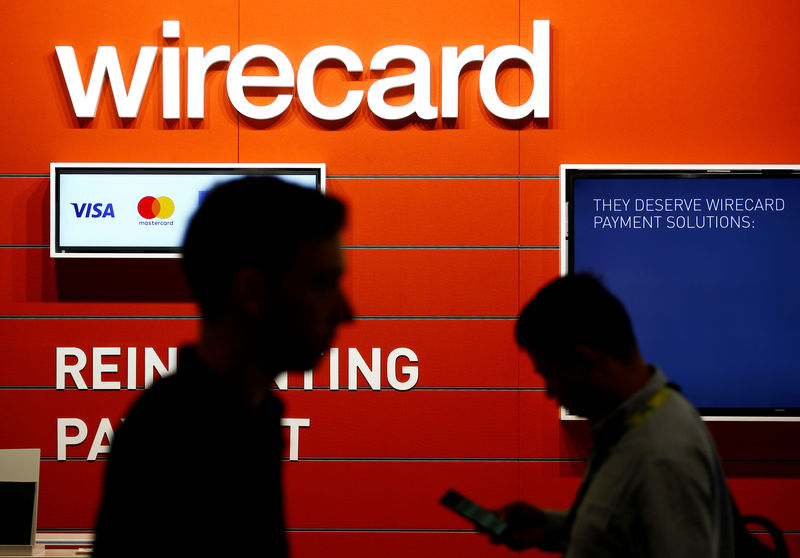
x=229, y=353
x=622, y=381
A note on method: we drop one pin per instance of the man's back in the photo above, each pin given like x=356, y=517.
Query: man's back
x=193, y=469
x=660, y=491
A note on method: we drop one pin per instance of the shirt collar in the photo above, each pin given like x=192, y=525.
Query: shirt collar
x=614, y=425
x=191, y=364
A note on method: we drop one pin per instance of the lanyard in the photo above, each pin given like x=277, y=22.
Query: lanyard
x=655, y=402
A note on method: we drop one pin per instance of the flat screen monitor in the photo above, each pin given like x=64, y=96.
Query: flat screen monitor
x=142, y=210
x=17, y=512
x=707, y=262
x=19, y=495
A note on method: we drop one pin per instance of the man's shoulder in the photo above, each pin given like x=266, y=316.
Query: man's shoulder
x=679, y=423
x=165, y=396
x=172, y=403
x=189, y=383
x=674, y=436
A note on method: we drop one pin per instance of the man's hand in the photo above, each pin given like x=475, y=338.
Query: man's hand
x=526, y=526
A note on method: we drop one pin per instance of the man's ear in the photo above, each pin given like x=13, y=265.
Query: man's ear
x=250, y=292
x=596, y=365
x=586, y=360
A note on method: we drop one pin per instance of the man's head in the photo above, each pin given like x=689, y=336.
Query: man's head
x=264, y=255
x=581, y=341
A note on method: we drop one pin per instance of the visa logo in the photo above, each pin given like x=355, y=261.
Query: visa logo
x=93, y=210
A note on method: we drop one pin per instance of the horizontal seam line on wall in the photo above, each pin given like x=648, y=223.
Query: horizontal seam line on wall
x=301, y=530
x=374, y=530
x=40, y=246
x=123, y=317
x=378, y=176
x=444, y=176
x=384, y=247
x=423, y=530
x=62, y=317
x=54, y=542
x=400, y=318
x=90, y=531
x=298, y=388
x=104, y=457
x=445, y=247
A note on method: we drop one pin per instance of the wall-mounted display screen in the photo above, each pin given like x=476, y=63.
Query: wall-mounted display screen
x=142, y=210
x=706, y=261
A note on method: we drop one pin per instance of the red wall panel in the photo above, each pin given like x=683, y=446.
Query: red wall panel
x=314, y=488
x=446, y=359
x=40, y=428
x=539, y=212
x=398, y=545
x=34, y=284
x=540, y=433
x=364, y=494
x=752, y=442
x=792, y=542
x=433, y=282
x=773, y=498
x=41, y=120
x=32, y=363
x=62, y=484
x=379, y=282
x=423, y=545
x=443, y=358
x=655, y=83
x=24, y=211
x=382, y=494
x=363, y=424
x=536, y=269
x=425, y=212
x=413, y=424
x=447, y=223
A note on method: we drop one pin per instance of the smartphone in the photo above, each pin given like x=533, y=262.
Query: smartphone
x=483, y=518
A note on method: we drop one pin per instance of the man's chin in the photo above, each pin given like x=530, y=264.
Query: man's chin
x=301, y=358
x=305, y=362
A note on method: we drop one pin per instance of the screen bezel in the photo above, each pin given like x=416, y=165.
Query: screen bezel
x=568, y=174
x=145, y=252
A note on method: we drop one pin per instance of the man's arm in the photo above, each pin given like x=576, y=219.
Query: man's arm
x=529, y=527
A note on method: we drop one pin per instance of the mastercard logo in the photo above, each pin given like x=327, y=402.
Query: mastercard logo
x=161, y=207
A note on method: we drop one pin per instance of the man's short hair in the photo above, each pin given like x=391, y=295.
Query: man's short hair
x=575, y=310
x=258, y=222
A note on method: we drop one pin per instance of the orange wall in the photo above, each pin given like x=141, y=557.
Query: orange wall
x=453, y=226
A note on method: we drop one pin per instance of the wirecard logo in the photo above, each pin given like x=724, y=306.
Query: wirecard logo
x=93, y=210
x=151, y=207
x=200, y=61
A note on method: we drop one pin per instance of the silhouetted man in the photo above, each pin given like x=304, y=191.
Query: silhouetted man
x=654, y=486
x=195, y=468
